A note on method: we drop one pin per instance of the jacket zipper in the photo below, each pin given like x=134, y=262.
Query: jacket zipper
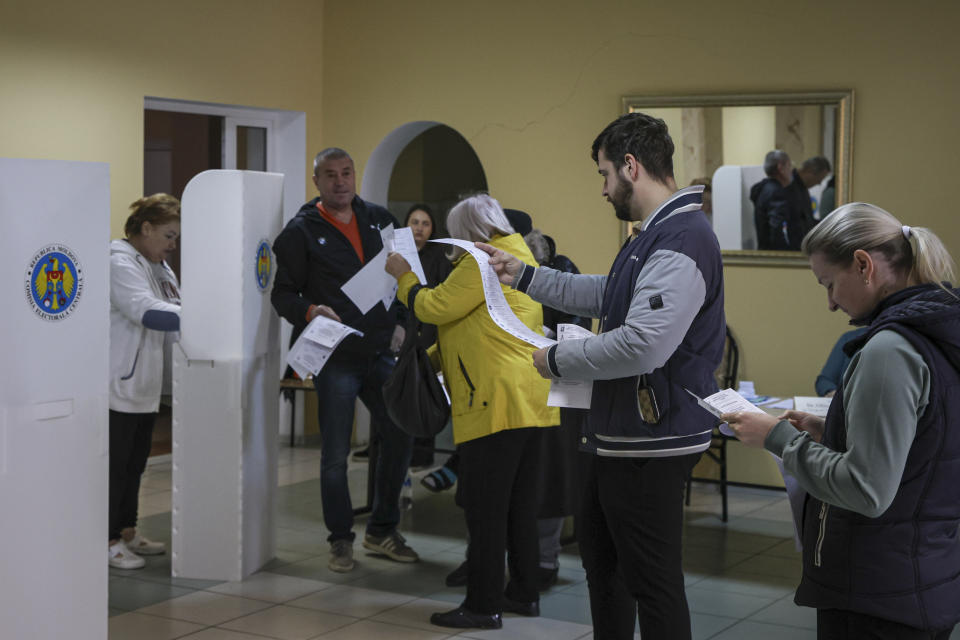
x=824, y=509
x=466, y=377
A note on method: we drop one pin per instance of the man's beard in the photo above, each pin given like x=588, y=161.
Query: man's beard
x=621, y=201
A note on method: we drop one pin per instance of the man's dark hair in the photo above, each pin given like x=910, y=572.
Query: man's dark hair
x=328, y=154
x=816, y=164
x=642, y=136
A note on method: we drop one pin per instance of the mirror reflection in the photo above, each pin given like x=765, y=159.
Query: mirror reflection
x=773, y=164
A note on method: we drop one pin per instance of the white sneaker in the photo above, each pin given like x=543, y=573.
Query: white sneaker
x=120, y=557
x=143, y=547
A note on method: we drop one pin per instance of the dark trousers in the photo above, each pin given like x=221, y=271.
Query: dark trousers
x=130, y=439
x=630, y=527
x=834, y=624
x=338, y=385
x=498, y=492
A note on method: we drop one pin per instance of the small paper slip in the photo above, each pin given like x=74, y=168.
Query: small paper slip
x=405, y=245
x=314, y=346
x=812, y=404
x=574, y=394
x=371, y=285
x=728, y=401
x=497, y=305
x=725, y=401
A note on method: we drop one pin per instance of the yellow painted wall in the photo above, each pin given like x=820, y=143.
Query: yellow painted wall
x=73, y=75
x=748, y=134
x=530, y=85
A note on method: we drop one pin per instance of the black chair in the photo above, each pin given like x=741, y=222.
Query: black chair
x=727, y=379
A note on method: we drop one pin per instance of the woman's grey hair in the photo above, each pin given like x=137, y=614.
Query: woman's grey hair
x=915, y=251
x=538, y=246
x=477, y=219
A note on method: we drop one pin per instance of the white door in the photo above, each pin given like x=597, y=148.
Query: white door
x=248, y=144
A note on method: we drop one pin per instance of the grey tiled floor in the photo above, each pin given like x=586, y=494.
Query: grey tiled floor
x=740, y=576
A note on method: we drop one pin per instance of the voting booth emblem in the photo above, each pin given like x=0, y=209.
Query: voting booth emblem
x=54, y=282
x=264, y=265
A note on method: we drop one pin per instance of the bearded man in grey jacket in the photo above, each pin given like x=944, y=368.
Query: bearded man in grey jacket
x=662, y=330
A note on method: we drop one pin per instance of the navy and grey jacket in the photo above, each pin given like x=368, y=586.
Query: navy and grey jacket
x=898, y=561
x=314, y=260
x=661, y=316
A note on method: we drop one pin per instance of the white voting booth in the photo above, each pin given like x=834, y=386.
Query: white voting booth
x=732, y=208
x=225, y=377
x=53, y=398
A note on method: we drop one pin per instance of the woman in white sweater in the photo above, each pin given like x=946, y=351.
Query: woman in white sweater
x=144, y=319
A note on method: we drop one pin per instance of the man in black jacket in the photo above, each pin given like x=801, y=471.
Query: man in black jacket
x=782, y=212
x=325, y=245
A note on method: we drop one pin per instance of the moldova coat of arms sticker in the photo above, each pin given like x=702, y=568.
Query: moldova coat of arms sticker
x=54, y=282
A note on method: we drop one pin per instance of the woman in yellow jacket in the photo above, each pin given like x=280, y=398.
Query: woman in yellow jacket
x=498, y=402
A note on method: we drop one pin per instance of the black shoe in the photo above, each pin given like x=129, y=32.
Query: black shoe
x=362, y=454
x=457, y=577
x=546, y=578
x=461, y=618
x=529, y=609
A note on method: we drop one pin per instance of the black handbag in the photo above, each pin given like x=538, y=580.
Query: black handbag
x=415, y=399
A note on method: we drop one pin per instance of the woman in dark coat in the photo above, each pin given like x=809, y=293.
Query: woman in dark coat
x=436, y=267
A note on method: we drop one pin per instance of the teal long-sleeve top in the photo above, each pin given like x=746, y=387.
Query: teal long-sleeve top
x=886, y=390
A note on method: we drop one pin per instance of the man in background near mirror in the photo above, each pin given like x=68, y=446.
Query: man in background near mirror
x=782, y=213
x=320, y=249
x=662, y=328
x=812, y=172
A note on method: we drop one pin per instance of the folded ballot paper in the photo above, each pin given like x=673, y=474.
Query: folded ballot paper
x=314, y=346
x=725, y=401
x=574, y=394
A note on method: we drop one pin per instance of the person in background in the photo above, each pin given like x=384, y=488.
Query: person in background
x=833, y=369
x=499, y=406
x=707, y=196
x=811, y=173
x=781, y=205
x=881, y=553
x=144, y=317
x=436, y=267
x=318, y=251
x=662, y=327
x=560, y=459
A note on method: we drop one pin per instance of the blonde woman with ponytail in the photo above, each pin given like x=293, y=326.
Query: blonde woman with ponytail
x=881, y=556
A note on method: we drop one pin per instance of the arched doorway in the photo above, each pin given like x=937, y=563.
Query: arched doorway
x=422, y=161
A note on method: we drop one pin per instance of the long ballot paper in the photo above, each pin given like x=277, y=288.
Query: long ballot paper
x=497, y=304
x=729, y=401
x=314, y=346
x=575, y=394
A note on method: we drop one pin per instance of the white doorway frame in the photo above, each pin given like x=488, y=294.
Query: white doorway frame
x=286, y=154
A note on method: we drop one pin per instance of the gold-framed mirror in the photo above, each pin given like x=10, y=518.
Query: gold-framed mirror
x=725, y=138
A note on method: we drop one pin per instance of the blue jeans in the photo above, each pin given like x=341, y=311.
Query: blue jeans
x=338, y=385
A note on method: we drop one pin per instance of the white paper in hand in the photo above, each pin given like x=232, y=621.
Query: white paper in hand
x=405, y=245
x=575, y=394
x=497, y=304
x=371, y=284
x=314, y=346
